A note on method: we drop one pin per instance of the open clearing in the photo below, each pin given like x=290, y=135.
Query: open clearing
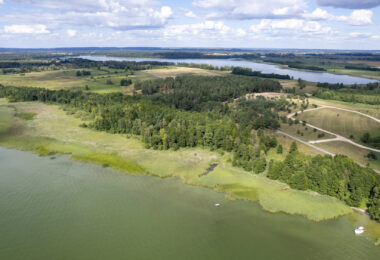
x=355, y=153
x=347, y=124
x=67, y=79
x=53, y=131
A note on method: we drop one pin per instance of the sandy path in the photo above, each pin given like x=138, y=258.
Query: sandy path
x=337, y=137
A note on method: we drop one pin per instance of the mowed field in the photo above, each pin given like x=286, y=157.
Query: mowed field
x=53, y=131
x=347, y=124
x=354, y=152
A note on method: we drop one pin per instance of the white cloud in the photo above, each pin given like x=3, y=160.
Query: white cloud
x=361, y=35
x=357, y=17
x=360, y=17
x=253, y=9
x=1, y=1
x=26, y=29
x=289, y=27
x=71, y=33
x=115, y=14
x=206, y=29
x=190, y=14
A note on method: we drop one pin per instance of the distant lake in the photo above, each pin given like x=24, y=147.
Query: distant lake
x=263, y=67
x=60, y=209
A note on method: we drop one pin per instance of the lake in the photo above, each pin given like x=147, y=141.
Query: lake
x=263, y=67
x=61, y=209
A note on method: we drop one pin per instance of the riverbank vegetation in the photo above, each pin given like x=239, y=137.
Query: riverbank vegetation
x=162, y=128
x=56, y=131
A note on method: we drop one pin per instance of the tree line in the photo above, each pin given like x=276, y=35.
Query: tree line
x=250, y=72
x=337, y=176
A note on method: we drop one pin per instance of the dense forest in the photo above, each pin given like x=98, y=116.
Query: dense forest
x=202, y=93
x=335, y=176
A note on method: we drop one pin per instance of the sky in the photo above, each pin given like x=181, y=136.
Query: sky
x=306, y=24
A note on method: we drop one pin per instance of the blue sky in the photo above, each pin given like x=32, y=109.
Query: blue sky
x=332, y=24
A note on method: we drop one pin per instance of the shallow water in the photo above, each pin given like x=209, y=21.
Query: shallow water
x=265, y=68
x=60, y=209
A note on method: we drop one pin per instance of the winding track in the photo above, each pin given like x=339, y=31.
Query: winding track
x=337, y=137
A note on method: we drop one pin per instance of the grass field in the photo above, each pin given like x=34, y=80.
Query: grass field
x=53, y=131
x=354, y=152
x=347, y=124
x=373, y=110
x=67, y=79
x=304, y=133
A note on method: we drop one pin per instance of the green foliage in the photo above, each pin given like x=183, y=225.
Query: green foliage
x=204, y=93
x=336, y=176
x=125, y=82
x=26, y=116
x=162, y=127
x=249, y=72
x=372, y=141
x=279, y=149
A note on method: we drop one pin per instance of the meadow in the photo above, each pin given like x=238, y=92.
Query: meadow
x=347, y=124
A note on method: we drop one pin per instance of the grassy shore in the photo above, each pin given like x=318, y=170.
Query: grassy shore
x=53, y=131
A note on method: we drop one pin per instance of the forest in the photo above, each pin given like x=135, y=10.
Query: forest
x=163, y=127
x=335, y=176
x=203, y=93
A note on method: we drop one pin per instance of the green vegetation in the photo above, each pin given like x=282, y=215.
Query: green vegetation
x=26, y=116
x=249, y=72
x=202, y=93
x=335, y=176
x=347, y=124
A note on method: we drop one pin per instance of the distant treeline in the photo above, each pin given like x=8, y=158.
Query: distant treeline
x=335, y=176
x=361, y=67
x=204, y=93
x=337, y=86
x=250, y=72
x=294, y=64
x=204, y=55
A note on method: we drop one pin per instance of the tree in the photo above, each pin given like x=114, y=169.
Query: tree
x=279, y=149
x=293, y=147
x=366, y=137
x=125, y=82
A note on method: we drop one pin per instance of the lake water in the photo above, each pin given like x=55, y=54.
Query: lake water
x=60, y=209
x=265, y=68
